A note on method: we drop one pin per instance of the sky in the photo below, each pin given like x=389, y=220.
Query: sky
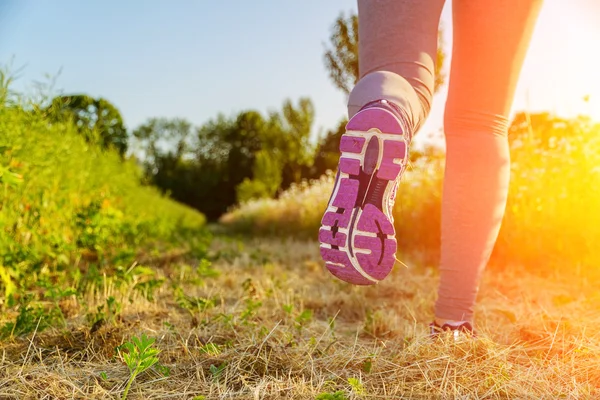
x=196, y=59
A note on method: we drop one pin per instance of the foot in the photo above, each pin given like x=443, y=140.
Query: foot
x=357, y=235
x=459, y=329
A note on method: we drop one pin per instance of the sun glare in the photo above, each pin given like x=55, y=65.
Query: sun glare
x=561, y=74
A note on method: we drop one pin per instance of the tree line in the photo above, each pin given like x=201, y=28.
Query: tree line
x=228, y=159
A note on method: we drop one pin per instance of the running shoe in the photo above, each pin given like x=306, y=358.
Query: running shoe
x=357, y=235
x=459, y=332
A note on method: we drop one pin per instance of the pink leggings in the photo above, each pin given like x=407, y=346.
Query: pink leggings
x=397, y=52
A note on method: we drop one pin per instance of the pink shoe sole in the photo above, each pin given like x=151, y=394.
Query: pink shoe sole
x=357, y=234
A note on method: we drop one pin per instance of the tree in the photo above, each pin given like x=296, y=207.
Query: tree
x=341, y=59
x=228, y=159
x=292, y=139
x=266, y=178
x=97, y=120
x=161, y=136
x=327, y=153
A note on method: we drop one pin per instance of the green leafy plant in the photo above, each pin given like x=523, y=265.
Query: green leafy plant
x=216, y=372
x=357, y=386
x=205, y=269
x=80, y=219
x=339, y=395
x=32, y=317
x=139, y=355
x=191, y=303
x=250, y=311
x=105, y=312
x=303, y=318
x=211, y=349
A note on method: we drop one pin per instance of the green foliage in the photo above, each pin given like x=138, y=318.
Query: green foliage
x=139, y=355
x=105, y=312
x=249, y=312
x=266, y=179
x=342, y=59
x=71, y=216
x=211, y=349
x=193, y=304
x=6, y=95
x=357, y=386
x=32, y=317
x=97, y=120
x=327, y=153
x=303, y=319
x=160, y=137
x=295, y=143
x=217, y=371
x=7, y=177
x=367, y=365
x=228, y=159
x=339, y=395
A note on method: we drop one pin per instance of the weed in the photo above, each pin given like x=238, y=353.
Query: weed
x=105, y=312
x=339, y=395
x=72, y=216
x=302, y=319
x=191, y=303
x=211, y=349
x=32, y=317
x=217, y=371
x=139, y=356
x=357, y=386
x=250, y=311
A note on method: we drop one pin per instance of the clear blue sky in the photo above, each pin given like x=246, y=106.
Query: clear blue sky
x=191, y=59
x=194, y=59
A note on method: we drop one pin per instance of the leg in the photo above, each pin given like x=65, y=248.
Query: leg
x=397, y=52
x=397, y=49
x=490, y=43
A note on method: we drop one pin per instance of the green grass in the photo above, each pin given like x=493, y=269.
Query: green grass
x=73, y=217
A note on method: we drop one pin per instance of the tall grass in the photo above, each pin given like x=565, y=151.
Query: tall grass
x=553, y=213
x=66, y=205
x=297, y=212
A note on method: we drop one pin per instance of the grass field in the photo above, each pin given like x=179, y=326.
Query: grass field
x=265, y=321
x=109, y=290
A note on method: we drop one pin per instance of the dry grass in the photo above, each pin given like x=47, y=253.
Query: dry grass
x=282, y=328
